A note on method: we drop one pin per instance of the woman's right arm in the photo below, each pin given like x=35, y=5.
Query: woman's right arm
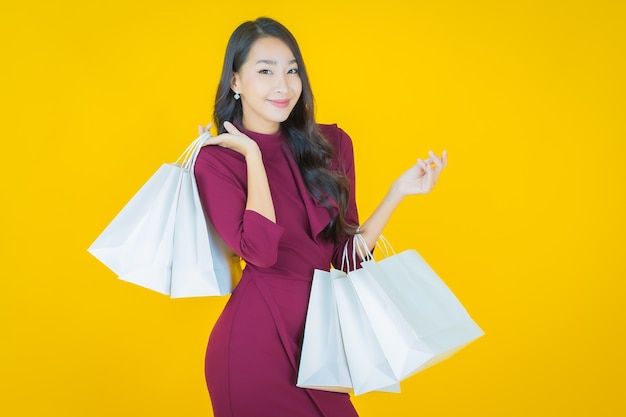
x=241, y=209
x=259, y=195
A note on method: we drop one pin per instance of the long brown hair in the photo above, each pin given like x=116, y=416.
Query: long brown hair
x=312, y=152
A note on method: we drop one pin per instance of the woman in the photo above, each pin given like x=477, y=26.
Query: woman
x=279, y=190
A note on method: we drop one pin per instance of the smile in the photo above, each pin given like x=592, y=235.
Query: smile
x=280, y=103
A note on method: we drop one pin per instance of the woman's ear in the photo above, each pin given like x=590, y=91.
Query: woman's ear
x=234, y=82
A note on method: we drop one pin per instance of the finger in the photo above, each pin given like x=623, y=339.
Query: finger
x=224, y=140
x=422, y=167
x=435, y=159
x=200, y=129
x=216, y=140
x=210, y=141
x=430, y=180
x=230, y=128
x=442, y=165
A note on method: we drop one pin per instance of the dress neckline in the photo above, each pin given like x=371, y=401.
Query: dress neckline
x=266, y=141
x=275, y=145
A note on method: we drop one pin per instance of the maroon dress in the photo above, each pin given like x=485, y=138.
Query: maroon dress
x=254, y=350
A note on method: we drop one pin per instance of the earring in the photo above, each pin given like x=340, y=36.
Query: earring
x=237, y=96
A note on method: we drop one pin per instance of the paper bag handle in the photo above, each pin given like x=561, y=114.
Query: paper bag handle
x=365, y=254
x=188, y=158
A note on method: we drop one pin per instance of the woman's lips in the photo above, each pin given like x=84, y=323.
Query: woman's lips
x=280, y=103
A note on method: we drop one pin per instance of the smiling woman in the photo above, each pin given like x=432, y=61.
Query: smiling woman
x=279, y=190
x=269, y=85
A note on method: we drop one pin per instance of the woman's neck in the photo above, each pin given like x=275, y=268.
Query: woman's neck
x=266, y=128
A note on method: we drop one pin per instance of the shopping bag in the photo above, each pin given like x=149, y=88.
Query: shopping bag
x=202, y=264
x=441, y=326
x=151, y=244
x=323, y=360
x=402, y=347
x=137, y=244
x=370, y=368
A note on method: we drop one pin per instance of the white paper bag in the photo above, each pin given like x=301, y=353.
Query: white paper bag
x=201, y=262
x=137, y=244
x=323, y=360
x=439, y=320
x=402, y=348
x=161, y=239
x=369, y=368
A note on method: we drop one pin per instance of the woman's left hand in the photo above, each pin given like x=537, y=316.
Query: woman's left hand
x=422, y=177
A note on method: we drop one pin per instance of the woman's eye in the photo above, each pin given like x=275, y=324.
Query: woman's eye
x=293, y=71
x=265, y=71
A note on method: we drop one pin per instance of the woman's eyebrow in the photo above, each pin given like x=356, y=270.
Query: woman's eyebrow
x=273, y=62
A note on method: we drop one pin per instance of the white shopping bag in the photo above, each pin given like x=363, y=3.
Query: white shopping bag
x=201, y=263
x=137, y=244
x=369, y=368
x=439, y=320
x=403, y=349
x=323, y=360
x=150, y=245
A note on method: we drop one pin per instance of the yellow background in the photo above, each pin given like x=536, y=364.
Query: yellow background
x=526, y=226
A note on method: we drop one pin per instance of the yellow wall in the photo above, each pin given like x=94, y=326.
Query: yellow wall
x=527, y=225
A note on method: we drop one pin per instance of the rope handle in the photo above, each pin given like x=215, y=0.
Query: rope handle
x=384, y=246
x=360, y=245
x=188, y=158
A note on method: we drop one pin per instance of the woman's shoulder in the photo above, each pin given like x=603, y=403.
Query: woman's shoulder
x=342, y=143
x=219, y=153
x=213, y=157
x=335, y=135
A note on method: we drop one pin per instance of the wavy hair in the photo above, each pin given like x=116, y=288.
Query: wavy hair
x=312, y=152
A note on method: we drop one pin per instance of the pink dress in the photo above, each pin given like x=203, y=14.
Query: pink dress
x=254, y=350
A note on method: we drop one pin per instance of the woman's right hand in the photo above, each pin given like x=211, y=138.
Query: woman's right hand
x=234, y=140
x=259, y=197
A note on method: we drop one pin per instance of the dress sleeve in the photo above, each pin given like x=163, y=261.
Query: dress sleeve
x=222, y=184
x=344, y=163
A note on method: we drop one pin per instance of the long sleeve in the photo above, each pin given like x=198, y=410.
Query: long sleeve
x=222, y=185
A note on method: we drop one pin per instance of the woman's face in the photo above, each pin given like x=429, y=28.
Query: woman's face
x=269, y=85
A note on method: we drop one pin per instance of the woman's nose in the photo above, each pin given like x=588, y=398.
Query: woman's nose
x=281, y=84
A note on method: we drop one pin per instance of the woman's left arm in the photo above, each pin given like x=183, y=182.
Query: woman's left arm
x=419, y=179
